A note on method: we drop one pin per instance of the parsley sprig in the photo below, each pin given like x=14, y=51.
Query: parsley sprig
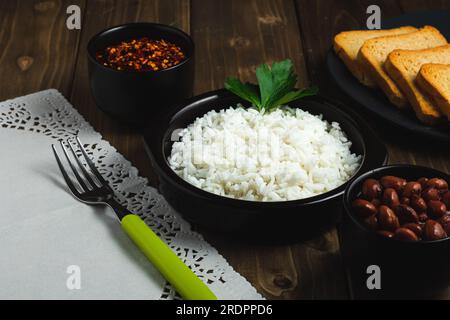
x=276, y=86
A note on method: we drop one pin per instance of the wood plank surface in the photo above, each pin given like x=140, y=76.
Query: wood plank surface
x=232, y=37
x=37, y=51
x=329, y=18
x=101, y=14
x=234, y=42
x=321, y=20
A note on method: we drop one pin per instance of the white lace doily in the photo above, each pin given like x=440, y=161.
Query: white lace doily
x=49, y=113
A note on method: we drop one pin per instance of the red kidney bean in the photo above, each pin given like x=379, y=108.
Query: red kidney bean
x=437, y=183
x=405, y=210
x=393, y=182
x=363, y=208
x=430, y=194
x=423, y=217
x=446, y=199
x=423, y=182
x=371, y=222
x=376, y=202
x=390, y=198
x=411, y=188
x=418, y=203
x=406, y=214
x=387, y=220
x=405, y=200
x=386, y=234
x=433, y=231
x=405, y=234
x=371, y=189
x=436, y=209
x=414, y=227
x=445, y=223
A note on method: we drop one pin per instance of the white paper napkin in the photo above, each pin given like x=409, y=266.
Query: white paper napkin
x=44, y=230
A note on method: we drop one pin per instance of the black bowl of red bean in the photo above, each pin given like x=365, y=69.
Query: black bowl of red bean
x=138, y=71
x=396, y=232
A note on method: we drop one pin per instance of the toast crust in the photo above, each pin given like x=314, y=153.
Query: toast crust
x=374, y=53
x=404, y=66
x=348, y=54
x=427, y=80
x=354, y=68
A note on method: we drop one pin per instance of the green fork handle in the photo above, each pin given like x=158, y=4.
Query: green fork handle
x=187, y=284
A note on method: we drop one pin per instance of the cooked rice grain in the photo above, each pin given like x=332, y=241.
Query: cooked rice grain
x=283, y=155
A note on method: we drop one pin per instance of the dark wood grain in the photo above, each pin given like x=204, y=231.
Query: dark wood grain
x=327, y=19
x=241, y=35
x=37, y=51
x=232, y=37
x=99, y=15
x=424, y=5
x=321, y=20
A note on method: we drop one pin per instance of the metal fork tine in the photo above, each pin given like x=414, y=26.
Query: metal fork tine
x=66, y=177
x=91, y=164
x=81, y=165
x=80, y=180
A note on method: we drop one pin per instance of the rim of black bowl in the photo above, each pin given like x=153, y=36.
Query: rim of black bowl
x=331, y=194
x=349, y=212
x=141, y=24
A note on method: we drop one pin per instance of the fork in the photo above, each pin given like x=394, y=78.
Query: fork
x=91, y=188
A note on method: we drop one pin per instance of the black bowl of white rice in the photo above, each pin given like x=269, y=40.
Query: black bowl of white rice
x=265, y=175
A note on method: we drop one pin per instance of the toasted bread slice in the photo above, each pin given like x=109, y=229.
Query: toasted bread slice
x=404, y=65
x=347, y=45
x=374, y=52
x=434, y=80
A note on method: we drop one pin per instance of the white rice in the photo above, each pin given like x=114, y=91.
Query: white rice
x=241, y=153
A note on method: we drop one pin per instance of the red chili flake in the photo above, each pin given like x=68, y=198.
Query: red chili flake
x=141, y=55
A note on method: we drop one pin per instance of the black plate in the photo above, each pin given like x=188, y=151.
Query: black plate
x=374, y=100
x=259, y=220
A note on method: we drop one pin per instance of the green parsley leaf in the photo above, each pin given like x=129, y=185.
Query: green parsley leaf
x=276, y=86
x=295, y=95
x=246, y=91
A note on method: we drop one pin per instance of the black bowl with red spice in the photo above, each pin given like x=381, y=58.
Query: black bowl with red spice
x=411, y=264
x=138, y=71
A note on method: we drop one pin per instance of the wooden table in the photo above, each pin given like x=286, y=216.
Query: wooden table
x=232, y=37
